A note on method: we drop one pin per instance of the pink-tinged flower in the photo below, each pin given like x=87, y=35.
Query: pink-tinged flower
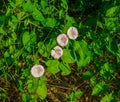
x=37, y=70
x=57, y=52
x=72, y=33
x=62, y=39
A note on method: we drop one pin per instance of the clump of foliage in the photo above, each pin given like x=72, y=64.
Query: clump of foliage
x=28, y=33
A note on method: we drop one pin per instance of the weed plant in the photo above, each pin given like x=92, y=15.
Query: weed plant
x=73, y=41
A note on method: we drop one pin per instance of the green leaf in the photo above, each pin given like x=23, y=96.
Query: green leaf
x=33, y=98
x=93, y=81
x=14, y=36
x=68, y=56
x=100, y=88
x=84, y=56
x=2, y=30
x=25, y=97
x=28, y=7
x=109, y=98
x=42, y=49
x=14, y=19
x=74, y=95
x=65, y=69
x=49, y=22
x=33, y=38
x=42, y=91
x=3, y=95
x=52, y=62
x=70, y=22
x=6, y=54
x=99, y=24
x=53, y=69
x=20, y=15
x=8, y=12
x=50, y=45
x=111, y=23
x=61, y=14
x=10, y=60
x=13, y=22
x=64, y=4
x=26, y=41
x=12, y=49
x=37, y=15
x=42, y=80
x=87, y=75
x=53, y=66
x=21, y=87
x=9, y=41
x=32, y=85
x=45, y=48
x=76, y=45
x=113, y=11
x=12, y=4
x=107, y=71
x=44, y=3
x=113, y=46
x=78, y=94
x=19, y=2
x=97, y=49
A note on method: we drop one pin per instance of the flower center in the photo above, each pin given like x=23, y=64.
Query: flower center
x=72, y=33
x=57, y=51
x=63, y=39
x=37, y=69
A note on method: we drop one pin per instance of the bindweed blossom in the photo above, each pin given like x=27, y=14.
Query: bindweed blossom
x=37, y=70
x=72, y=33
x=57, y=52
x=62, y=39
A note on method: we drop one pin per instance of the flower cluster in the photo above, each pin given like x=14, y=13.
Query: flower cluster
x=57, y=51
x=62, y=40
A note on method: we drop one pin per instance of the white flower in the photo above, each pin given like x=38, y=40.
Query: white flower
x=62, y=39
x=72, y=33
x=37, y=70
x=57, y=52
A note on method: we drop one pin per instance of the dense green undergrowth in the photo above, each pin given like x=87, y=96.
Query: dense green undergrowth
x=28, y=32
